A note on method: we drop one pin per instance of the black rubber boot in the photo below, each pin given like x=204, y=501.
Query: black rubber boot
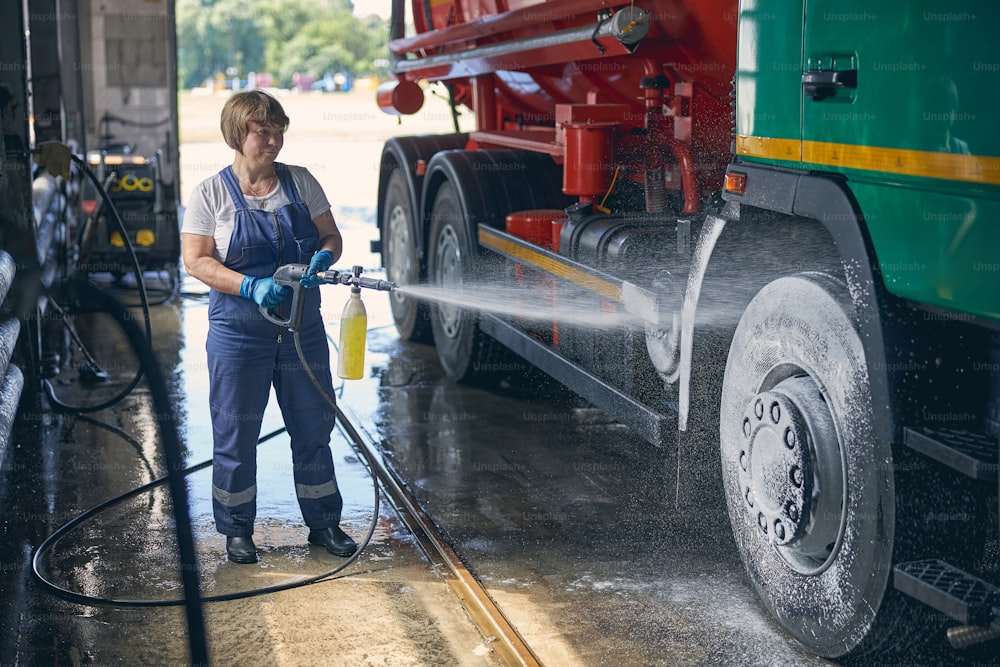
x=241, y=550
x=336, y=541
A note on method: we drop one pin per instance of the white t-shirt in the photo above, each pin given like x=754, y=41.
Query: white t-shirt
x=211, y=212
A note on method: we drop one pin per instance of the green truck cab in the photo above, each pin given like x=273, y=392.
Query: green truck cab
x=868, y=128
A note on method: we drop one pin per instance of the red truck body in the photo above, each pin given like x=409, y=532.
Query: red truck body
x=557, y=67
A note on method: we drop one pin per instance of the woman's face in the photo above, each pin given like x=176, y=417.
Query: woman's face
x=263, y=142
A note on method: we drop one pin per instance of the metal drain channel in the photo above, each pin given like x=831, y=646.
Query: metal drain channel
x=502, y=637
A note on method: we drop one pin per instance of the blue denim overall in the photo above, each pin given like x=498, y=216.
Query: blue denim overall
x=247, y=354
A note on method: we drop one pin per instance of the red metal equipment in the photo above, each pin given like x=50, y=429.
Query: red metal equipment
x=599, y=86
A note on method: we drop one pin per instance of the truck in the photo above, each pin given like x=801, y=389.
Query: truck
x=796, y=209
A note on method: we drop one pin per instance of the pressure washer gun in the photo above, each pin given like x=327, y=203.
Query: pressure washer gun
x=290, y=275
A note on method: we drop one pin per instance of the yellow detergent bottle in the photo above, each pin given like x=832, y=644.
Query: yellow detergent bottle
x=353, y=329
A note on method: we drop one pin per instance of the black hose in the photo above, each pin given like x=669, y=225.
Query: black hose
x=136, y=445
x=49, y=390
x=157, y=295
x=81, y=598
x=88, y=296
x=453, y=107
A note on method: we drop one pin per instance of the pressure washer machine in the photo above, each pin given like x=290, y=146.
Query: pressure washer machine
x=148, y=209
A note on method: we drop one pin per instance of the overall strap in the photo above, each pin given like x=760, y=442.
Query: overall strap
x=233, y=185
x=287, y=182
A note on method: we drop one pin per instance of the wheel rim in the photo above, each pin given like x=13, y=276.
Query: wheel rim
x=448, y=256
x=399, y=269
x=791, y=471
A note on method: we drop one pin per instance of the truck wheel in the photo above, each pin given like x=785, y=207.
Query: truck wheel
x=402, y=264
x=809, y=488
x=461, y=347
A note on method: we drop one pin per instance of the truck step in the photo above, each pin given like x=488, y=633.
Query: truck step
x=960, y=595
x=972, y=454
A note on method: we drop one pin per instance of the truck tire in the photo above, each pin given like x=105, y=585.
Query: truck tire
x=809, y=488
x=401, y=260
x=465, y=352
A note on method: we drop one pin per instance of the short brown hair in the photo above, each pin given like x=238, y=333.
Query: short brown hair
x=253, y=105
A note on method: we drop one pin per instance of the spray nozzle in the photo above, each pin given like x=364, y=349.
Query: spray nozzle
x=355, y=279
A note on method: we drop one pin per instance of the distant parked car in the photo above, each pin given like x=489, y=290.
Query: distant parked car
x=302, y=82
x=334, y=83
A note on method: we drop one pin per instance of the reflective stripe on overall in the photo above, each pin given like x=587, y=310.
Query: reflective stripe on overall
x=247, y=354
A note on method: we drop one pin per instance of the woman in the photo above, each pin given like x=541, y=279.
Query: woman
x=239, y=227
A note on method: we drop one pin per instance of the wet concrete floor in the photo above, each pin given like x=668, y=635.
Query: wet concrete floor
x=391, y=607
x=568, y=519
x=565, y=516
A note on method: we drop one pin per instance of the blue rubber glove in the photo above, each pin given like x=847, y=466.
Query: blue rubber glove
x=321, y=261
x=263, y=291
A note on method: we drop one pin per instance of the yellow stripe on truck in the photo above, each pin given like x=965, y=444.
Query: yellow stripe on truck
x=928, y=164
x=769, y=148
x=606, y=289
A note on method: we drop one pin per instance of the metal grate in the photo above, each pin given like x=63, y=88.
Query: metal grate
x=946, y=588
x=973, y=454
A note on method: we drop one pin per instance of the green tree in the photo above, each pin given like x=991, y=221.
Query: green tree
x=331, y=40
x=215, y=35
x=283, y=37
x=281, y=22
x=237, y=22
x=318, y=48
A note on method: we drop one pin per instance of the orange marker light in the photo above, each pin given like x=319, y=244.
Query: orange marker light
x=736, y=183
